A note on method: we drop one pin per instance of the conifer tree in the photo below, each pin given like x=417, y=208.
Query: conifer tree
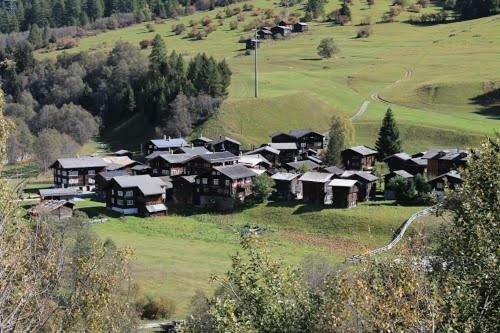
x=35, y=36
x=341, y=135
x=388, y=142
x=130, y=99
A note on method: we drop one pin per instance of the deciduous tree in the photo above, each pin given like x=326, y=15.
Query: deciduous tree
x=340, y=136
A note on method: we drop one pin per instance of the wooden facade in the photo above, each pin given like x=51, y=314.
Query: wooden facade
x=359, y=158
x=367, y=183
x=315, y=187
x=447, y=180
x=344, y=193
x=77, y=172
x=165, y=145
x=300, y=27
x=305, y=139
x=183, y=189
x=59, y=209
x=445, y=161
x=287, y=186
x=225, y=144
x=169, y=165
x=202, y=163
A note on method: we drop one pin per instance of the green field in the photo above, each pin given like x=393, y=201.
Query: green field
x=449, y=65
x=176, y=254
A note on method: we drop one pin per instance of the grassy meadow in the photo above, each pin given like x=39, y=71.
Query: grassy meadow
x=449, y=65
x=177, y=254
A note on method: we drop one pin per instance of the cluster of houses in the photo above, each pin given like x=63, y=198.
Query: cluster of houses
x=284, y=28
x=217, y=173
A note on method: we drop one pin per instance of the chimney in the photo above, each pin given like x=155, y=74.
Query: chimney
x=169, y=138
x=295, y=159
x=164, y=137
x=192, y=145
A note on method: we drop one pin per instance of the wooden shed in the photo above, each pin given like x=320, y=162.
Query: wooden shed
x=287, y=185
x=55, y=208
x=344, y=193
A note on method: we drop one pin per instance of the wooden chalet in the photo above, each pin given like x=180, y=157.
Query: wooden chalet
x=183, y=189
x=301, y=166
x=164, y=145
x=224, y=186
x=315, y=187
x=202, y=163
x=140, y=169
x=287, y=185
x=119, y=163
x=103, y=178
x=288, y=151
x=254, y=161
x=416, y=165
x=410, y=164
x=60, y=209
x=344, y=192
x=281, y=30
x=123, y=152
x=388, y=194
x=304, y=138
x=300, y=27
x=143, y=195
x=225, y=144
x=169, y=164
x=359, y=158
x=192, y=150
x=201, y=141
x=77, y=172
x=367, y=183
x=449, y=179
x=443, y=161
x=269, y=153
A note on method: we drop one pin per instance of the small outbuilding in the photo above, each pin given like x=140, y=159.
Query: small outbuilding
x=60, y=209
x=287, y=185
x=344, y=193
x=315, y=187
x=446, y=180
x=359, y=158
x=300, y=27
x=251, y=44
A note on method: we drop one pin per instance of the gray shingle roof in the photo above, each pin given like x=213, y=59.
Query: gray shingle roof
x=451, y=174
x=82, y=162
x=284, y=145
x=262, y=149
x=108, y=175
x=145, y=183
x=334, y=169
x=285, y=176
x=50, y=192
x=253, y=160
x=169, y=143
x=359, y=174
x=403, y=173
x=140, y=167
x=316, y=177
x=343, y=183
x=301, y=164
x=401, y=156
x=156, y=208
x=222, y=156
x=202, y=138
x=193, y=150
x=222, y=139
x=236, y=171
x=176, y=158
x=362, y=150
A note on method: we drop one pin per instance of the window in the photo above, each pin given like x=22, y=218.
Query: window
x=91, y=172
x=303, y=144
x=64, y=173
x=155, y=171
x=228, y=182
x=73, y=173
x=197, y=180
x=112, y=192
x=216, y=181
x=73, y=181
x=112, y=201
x=214, y=172
x=165, y=172
x=129, y=193
x=130, y=202
x=439, y=186
x=119, y=202
x=205, y=181
x=318, y=144
x=120, y=193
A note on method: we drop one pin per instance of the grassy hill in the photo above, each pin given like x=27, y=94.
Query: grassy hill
x=444, y=69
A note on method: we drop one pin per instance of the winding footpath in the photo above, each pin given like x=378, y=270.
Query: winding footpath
x=376, y=96
x=395, y=240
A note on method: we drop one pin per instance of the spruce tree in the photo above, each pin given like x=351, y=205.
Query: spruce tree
x=341, y=135
x=388, y=142
x=35, y=36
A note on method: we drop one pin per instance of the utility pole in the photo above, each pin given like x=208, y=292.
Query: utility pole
x=256, y=47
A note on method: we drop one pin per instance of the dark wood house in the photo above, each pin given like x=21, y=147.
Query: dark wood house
x=389, y=194
x=224, y=186
x=397, y=161
x=304, y=138
x=447, y=180
x=169, y=165
x=140, y=169
x=265, y=33
x=269, y=153
x=287, y=186
x=119, y=163
x=77, y=172
x=183, y=189
x=286, y=23
x=60, y=209
x=254, y=161
x=359, y=158
x=367, y=183
x=443, y=161
x=143, y=195
x=336, y=171
x=315, y=187
x=225, y=144
x=202, y=163
x=201, y=141
x=300, y=27
x=281, y=30
x=192, y=150
x=164, y=145
x=251, y=44
x=288, y=151
x=103, y=178
x=344, y=193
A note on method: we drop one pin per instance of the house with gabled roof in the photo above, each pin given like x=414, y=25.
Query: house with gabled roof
x=315, y=187
x=344, y=192
x=60, y=209
x=304, y=138
x=269, y=153
x=440, y=162
x=192, y=150
x=254, y=161
x=367, y=183
x=169, y=164
x=449, y=179
x=336, y=171
x=287, y=185
x=201, y=141
x=77, y=172
x=288, y=151
x=225, y=143
x=224, y=186
x=165, y=145
x=201, y=163
x=389, y=194
x=300, y=27
x=359, y=158
x=143, y=195
x=119, y=163
x=103, y=178
x=301, y=166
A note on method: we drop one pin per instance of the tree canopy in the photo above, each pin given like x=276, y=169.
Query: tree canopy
x=340, y=136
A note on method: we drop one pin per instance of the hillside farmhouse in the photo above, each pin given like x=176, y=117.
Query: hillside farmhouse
x=359, y=158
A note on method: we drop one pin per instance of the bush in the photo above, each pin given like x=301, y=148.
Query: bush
x=233, y=25
x=150, y=307
x=262, y=187
x=179, y=28
x=367, y=20
x=415, y=8
x=365, y=32
x=424, y=3
x=395, y=10
x=247, y=7
x=150, y=27
x=241, y=17
x=206, y=21
x=145, y=43
x=67, y=43
x=402, y=3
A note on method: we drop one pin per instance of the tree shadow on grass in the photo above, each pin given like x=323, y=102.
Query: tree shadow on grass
x=99, y=211
x=310, y=208
x=490, y=103
x=311, y=59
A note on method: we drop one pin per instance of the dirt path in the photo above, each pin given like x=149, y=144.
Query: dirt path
x=361, y=110
x=406, y=76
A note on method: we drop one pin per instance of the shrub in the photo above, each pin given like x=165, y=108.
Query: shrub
x=219, y=15
x=67, y=43
x=327, y=48
x=396, y=10
x=262, y=187
x=367, y=20
x=233, y=25
x=241, y=17
x=206, y=21
x=152, y=308
x=415, y=8
x=247, y=7
x=424, y=3
x=365, y=32
x=150, y=27
x=210, y=28
x=220, y=22
x=179, y=28
x=402, y=3
x=145, y=43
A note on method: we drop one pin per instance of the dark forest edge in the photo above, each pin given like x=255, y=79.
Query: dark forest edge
x=63, y=103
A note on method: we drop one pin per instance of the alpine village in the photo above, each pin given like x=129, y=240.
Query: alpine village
x=249, y=166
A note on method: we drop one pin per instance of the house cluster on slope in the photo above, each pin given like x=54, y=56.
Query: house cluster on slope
x=283, y=29
x=217, y=173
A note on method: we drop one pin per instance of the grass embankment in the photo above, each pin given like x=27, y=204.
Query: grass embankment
x=450, y=65
x=176, y=254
